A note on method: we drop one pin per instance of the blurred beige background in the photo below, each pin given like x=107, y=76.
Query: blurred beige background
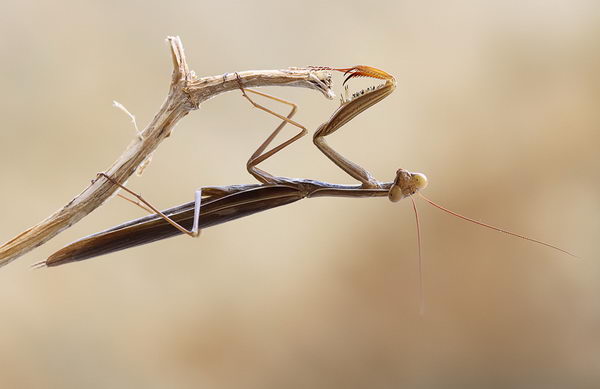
x=497, y=104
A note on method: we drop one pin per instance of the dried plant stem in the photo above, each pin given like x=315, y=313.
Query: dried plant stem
x=185, y=94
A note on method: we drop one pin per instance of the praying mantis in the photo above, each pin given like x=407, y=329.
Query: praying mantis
x=216, y=205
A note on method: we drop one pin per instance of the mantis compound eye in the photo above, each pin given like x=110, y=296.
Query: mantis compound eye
x=406, y=184
x=420, y=181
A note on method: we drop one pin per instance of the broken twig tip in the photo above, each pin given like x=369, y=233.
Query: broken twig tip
x=120, y=106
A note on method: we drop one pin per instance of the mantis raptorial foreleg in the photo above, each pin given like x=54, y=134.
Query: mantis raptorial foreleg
x=359, y=102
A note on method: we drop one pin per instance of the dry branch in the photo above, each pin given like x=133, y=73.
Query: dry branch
x=185, y=94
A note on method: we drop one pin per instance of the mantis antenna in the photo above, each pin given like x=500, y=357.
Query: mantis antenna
x=479, y=223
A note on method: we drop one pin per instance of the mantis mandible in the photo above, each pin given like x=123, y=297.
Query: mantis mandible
x=216, y=205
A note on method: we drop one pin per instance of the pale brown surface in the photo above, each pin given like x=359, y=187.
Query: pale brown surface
x=499, y=106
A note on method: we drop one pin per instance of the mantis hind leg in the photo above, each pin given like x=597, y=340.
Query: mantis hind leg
x=141, y=202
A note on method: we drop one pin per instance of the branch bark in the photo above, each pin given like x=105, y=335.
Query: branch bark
x=186, y=93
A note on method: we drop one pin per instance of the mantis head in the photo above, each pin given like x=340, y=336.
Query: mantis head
x=406, y=184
